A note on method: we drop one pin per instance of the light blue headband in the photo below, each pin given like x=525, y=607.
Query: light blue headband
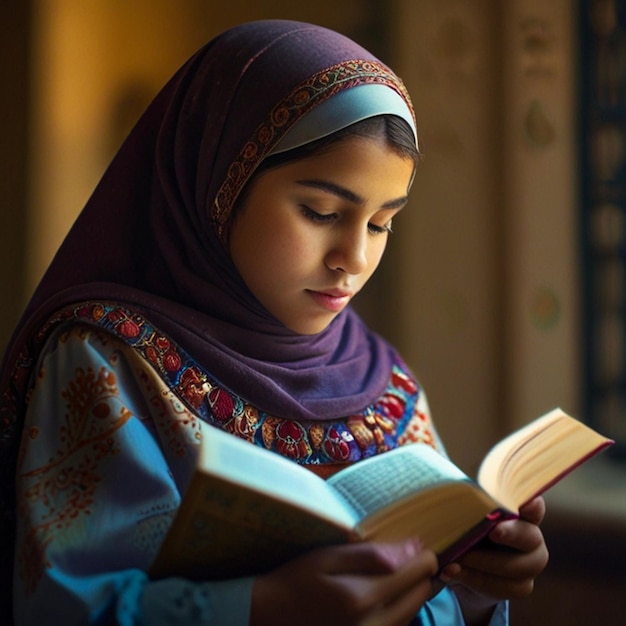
x=343, y=109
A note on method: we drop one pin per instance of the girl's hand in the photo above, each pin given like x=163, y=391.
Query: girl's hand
x=355, y=584
x=506, y=566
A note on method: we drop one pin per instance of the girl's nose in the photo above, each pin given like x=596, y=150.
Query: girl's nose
x=349, y=252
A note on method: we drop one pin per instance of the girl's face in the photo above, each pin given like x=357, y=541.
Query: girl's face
x=309, y=234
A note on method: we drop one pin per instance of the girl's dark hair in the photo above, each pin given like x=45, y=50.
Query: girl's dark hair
x=396, y=132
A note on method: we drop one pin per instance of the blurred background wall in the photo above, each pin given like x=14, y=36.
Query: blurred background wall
x=481, y=285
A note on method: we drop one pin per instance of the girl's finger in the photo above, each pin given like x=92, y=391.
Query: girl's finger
x=534, y=511
x=365, y=558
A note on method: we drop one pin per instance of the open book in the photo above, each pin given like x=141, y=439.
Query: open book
x=247, y=509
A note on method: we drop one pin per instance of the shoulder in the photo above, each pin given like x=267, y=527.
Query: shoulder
x=76, y=339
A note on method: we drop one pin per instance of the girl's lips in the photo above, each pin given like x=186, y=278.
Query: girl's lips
x=332, y=300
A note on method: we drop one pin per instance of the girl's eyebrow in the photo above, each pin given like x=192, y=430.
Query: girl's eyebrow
x=346, y=194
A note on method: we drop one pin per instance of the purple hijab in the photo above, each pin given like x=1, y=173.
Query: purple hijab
x=151, y=236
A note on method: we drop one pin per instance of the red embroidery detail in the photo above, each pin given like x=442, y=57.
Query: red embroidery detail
x=129, y=329
x=291, y=440
x=400, y=379
x=393, y=406
x=172, y=361
x=335, y=447
x=162, y=343
x=190, y=387
x=152, y=355
x=222, y=404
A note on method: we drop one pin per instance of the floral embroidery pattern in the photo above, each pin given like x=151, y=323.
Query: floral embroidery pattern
x=394, y=419
x=63, y=489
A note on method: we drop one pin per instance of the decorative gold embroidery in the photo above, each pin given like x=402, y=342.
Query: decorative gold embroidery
x=246, y=423
x=316, y=435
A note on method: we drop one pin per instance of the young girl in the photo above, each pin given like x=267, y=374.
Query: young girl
x=208, y=280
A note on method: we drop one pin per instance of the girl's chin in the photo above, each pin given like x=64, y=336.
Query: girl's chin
x=313, y=326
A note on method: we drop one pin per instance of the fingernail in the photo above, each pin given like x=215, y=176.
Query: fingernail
x=413, y=547
x=450, y=571
x=399, y=553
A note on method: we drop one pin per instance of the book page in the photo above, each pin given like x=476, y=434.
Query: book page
x=238, y=461
x=535, y=457
x=441, y=516
x=375, y=483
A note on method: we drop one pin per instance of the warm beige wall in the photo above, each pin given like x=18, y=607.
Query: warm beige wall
x=489, y=251
x=450, y=304
x=541, y=207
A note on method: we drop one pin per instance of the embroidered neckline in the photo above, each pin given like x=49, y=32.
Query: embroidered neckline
x=393, y=419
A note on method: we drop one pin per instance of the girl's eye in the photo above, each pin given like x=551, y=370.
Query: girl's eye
x=379, y=230
x=325, y=218
x=318, y=217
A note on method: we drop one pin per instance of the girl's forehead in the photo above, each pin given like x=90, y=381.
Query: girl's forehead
x=353, y=169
